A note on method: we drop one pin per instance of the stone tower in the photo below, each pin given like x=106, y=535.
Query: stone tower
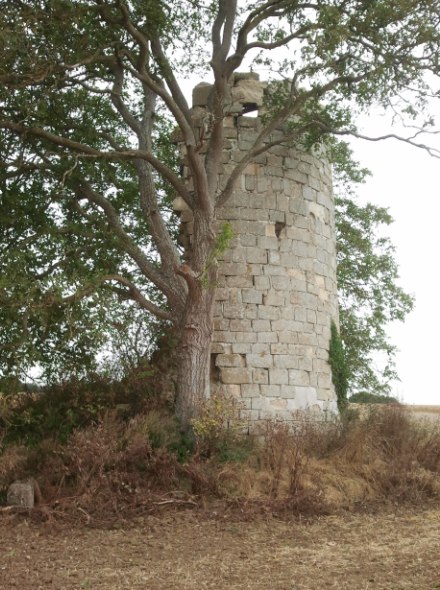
x=276, y=296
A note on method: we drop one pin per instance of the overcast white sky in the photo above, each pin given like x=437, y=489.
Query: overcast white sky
x=407, y=181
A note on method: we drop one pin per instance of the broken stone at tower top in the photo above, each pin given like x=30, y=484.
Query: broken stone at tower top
x=246, y=94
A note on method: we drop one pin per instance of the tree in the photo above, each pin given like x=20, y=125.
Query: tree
x=86, y=89
x=369, y=294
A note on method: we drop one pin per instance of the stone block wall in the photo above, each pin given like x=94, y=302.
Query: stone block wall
x=277, y=289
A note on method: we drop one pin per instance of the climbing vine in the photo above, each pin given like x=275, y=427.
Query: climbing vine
x=338, y=364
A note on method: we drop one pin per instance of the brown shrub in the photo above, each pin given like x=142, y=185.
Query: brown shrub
x=306, y=467
x=393, y=453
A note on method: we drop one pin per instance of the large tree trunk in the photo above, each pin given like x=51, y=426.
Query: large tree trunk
x=194, y=354
x=196, y=322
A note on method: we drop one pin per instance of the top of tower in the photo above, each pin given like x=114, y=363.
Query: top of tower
x=245, y=94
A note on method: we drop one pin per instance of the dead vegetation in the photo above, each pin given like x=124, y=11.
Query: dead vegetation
x=424, y=409
x=117, y=467
x=127, y=502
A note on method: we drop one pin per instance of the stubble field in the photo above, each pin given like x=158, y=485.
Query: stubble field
x=204, y=550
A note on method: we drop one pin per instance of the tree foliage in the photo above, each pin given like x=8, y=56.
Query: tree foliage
x=370, y=297
x=89, y=91
x=364, y=397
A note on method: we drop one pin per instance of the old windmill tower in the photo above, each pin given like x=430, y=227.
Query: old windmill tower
x=276, y=295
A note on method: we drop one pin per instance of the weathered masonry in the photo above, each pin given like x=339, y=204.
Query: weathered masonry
x=276, y=296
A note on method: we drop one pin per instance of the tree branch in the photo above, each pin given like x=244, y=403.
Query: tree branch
x=257, y=149
x=134, y=293
x=258, y=15
x=116, y=97
x=144, y=76
x=86, y=151
x=221, y=43
x=148, y=194
x=434, y=152
x=172, y=291
x=175, y=102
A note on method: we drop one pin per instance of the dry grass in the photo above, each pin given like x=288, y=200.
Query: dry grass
x=424, y=409
x=130, y=482
x=386, y=457
x=118, y=467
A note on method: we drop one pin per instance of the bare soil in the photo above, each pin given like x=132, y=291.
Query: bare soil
x=214, y=550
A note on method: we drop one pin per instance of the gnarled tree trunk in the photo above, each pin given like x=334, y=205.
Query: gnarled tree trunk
x=194, y=353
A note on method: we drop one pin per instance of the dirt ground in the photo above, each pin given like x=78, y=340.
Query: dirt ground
x=207, y=550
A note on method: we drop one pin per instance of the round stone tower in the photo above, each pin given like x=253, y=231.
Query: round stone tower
x=276, y=296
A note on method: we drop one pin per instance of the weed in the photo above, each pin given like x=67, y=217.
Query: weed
x=218, y=430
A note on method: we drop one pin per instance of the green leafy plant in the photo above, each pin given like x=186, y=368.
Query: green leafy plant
x=222, y=242
x=370, y=297
x=218, y=429
x=338, y=364
x=28, y=418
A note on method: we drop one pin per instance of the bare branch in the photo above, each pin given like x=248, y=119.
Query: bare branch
x=222, y=30
x=221, y=43
x=434, y=152
x=143, y=75
x=258, y=148
x=21, y=129
x=92, y=89
x=195, y=162
x=168, y=74
x=279, y=43
x=116, y=96
x=257, y=16
x=148, y=194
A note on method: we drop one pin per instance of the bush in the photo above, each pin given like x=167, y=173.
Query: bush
x=28, y=418
x=363, y=397
x=304, y=467
x=218, y=430
x=56, y=411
